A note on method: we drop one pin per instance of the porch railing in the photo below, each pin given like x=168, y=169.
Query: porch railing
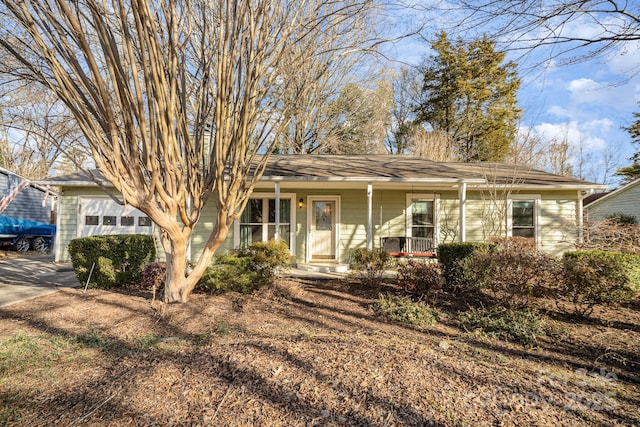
x=404, y=246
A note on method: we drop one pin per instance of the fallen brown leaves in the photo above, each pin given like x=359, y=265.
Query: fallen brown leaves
x=305, y=352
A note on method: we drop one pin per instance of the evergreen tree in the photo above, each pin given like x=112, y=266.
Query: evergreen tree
x=632, y=172
x=469, y=95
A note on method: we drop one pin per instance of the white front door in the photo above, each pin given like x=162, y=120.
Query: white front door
x=323, y=228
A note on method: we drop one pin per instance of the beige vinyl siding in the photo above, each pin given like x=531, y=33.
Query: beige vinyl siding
x=475, y=211
x=558, y=222
x=626, y=201
x=203, y=230
x=556, y=225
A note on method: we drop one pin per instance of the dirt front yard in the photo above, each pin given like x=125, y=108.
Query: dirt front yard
x=302, y=353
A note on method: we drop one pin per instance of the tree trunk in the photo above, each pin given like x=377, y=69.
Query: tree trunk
x=181, y=278
x=177, y=286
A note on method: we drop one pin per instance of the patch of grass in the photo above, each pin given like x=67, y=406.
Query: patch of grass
x=26, y=353
x=93, y=339
x=522, y=326
x=148, y=341
x=403, y=309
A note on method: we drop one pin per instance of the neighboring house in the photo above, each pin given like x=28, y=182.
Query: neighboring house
x=22, y=199
x=625, y=200
x=329, y=205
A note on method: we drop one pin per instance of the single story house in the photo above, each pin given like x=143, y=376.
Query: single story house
x=324, y=206
x=624, y=200
x=23, y=199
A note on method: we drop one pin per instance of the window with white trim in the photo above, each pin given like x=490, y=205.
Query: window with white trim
x=422, y=215
x=523, y=217
x=258, y=221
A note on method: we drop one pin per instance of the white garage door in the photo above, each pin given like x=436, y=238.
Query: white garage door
x=102, y=216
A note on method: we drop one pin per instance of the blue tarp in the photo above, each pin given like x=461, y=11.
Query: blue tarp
x=9, y=225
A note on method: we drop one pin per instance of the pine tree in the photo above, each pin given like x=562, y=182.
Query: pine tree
x=470, y=95
x=632, y=172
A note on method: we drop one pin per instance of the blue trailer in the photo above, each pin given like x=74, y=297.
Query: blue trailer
x=22, y=234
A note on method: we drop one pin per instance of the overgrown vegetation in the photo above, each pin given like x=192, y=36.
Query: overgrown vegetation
x=419, y=278
x=599, y=277
x=403, y=309
x=369, y=265
x=522, y=326
x=514, y=272
x=618, y=233
x=111, y=260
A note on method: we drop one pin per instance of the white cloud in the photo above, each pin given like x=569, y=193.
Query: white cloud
x=586, y=136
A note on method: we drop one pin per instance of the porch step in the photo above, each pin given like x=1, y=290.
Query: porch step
x=324, y=267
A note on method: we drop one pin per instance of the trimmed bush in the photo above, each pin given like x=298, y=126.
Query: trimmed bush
x=514, y=272
x=599, y=277
x=420, y=277
x=369, y=265
x=451, y=256
x=118, y=259
x=267, y=258
x=403, y=309
x=522, y=326
x=229, y=272
x=247, y=269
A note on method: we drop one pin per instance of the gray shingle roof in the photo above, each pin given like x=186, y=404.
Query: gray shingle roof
x=388, y=168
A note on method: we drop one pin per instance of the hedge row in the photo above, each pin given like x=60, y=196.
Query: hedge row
x=111, y=260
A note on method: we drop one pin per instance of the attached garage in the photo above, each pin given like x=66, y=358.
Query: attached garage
x=101, y=216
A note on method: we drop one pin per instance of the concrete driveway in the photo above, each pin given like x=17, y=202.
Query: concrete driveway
x=32, y=276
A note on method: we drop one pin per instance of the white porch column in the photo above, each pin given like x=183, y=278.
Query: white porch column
x=276, y=236
x=580, y=216
x=462, y=194
x=369, y=216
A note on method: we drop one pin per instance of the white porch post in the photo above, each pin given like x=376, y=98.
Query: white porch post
x=580, y=217
x=369, y=216
x=462, y=194
x=276, y=235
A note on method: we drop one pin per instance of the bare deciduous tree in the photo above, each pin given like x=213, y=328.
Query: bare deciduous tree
x=41, y=135
x=559, y=23
x=179, y=100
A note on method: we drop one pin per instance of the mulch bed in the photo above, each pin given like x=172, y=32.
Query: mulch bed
x=302, y=353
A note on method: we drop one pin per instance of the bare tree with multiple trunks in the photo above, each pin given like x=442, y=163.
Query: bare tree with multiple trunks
x=180, y=100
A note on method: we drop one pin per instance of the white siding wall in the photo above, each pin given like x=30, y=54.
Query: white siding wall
x=626, y=201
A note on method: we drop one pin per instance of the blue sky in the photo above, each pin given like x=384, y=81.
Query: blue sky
x=587, y=103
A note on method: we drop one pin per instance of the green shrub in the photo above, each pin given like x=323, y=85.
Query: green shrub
x=599, y=277
x=267, y=259
x=522, y=326
x=369, y=265
x=247, y=269
x=403, y=309
x=622, y=218
x=514, y=272
x=229, y=272
x=451, y=256
x=419, y=277
x=118, y=259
